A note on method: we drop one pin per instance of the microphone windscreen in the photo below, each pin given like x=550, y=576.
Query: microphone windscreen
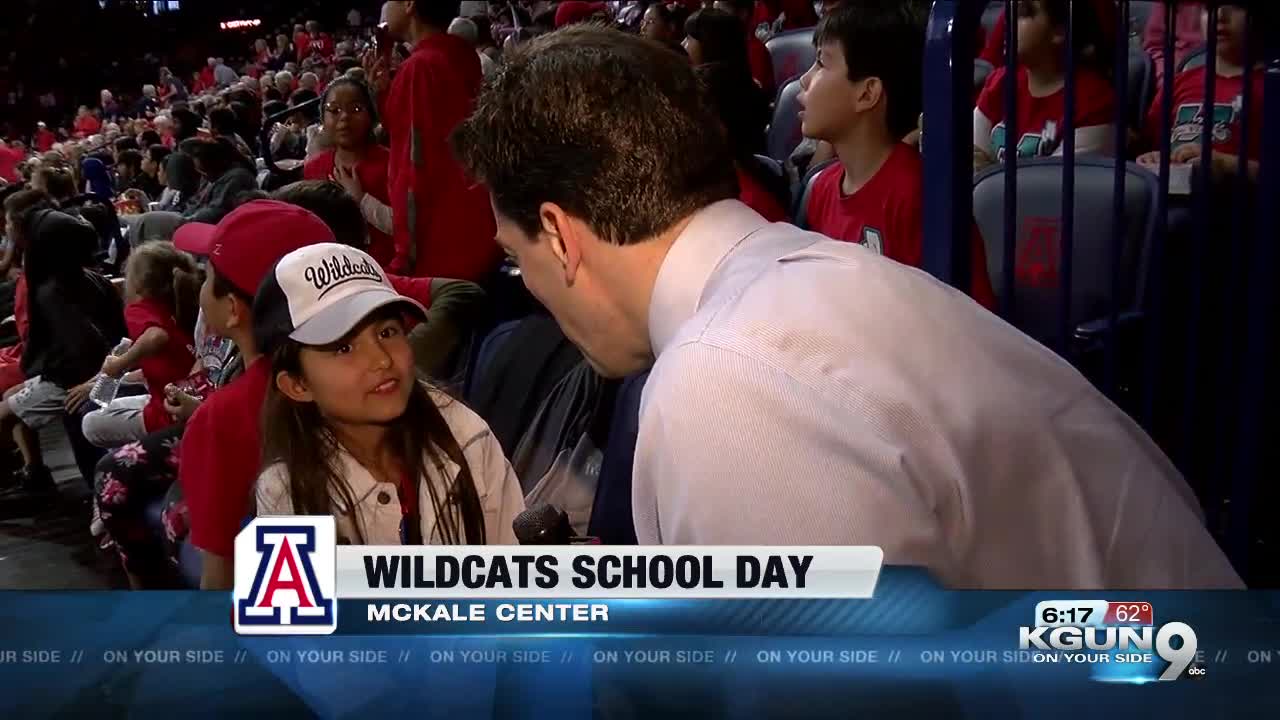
x=542, y=525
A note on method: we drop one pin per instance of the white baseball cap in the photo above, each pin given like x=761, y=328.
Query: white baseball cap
x=318, y=294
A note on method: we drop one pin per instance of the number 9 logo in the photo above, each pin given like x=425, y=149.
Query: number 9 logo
x=1178, y=658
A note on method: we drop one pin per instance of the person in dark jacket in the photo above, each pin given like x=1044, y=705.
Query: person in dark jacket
x=227, y=174
x=76, y=319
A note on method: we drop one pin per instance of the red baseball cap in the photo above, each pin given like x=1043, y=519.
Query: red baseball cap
x=248, y=243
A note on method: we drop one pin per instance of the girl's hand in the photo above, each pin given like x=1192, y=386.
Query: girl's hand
x=378, y=72
x=1185, y=153
x=113, y=367
x=1150, y=159
x=179, y=404
x=347, y=178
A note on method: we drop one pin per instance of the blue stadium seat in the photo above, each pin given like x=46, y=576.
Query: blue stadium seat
x=802, y=199
x=784, y=131
x=792, y=53
x=1036, y=299
x=1193, y=60
x=1142, y=86
x=981, y=71
x=771, y=165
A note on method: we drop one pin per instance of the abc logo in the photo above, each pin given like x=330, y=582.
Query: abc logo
x=1196, y=671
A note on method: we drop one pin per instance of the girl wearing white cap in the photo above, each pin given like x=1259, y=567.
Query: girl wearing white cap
x=350, y=431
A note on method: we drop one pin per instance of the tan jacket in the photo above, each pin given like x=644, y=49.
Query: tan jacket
x=378, y=505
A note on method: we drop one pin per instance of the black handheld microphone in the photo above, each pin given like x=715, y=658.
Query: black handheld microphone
x=547, y=525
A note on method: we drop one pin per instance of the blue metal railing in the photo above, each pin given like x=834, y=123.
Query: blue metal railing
x=1209, y=415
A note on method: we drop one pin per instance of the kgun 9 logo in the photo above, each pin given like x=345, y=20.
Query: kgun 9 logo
x=1124, y=639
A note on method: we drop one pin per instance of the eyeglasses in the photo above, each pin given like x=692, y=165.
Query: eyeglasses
x=336, y=109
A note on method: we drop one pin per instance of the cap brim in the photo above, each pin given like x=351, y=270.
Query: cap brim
x=339, y=319
x=195, y=238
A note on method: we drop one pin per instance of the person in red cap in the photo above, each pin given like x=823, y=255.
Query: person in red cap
x=576, y=11
x=220, y=454
x=443, y=224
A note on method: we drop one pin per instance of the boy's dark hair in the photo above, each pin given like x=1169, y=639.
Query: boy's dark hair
x=149, y=138
x=741, y=6
x=125, y=144
x=57, y=182
x=222, y=288
x=438, y=13
x=130, y=159
x=186, y=124
x=333, y=205
x=158, y=154
x=882, y=39
x=223, y=121
x=609, y=126
x=272, y=95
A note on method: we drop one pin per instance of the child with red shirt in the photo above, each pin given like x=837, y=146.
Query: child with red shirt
x=863, y=95
x=159, y=319
x=1041, y=84
x=356, y=161
x=220, y=448
x=1228, y=91
x=444, y=225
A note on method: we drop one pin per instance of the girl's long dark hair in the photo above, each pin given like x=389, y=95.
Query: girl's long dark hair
x=297, y=435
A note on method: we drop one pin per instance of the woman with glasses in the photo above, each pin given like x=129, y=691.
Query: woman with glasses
x=355, y=160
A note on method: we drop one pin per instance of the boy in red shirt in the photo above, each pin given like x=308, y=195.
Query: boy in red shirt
x=863, y=95
x=443, y=222
x=1228, y=97
x=1041, y=78
x=220, y=447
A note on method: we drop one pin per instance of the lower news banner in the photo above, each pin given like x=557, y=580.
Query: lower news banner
x=320, y=629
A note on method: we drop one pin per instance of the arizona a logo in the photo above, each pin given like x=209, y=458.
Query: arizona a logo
x=285, y=577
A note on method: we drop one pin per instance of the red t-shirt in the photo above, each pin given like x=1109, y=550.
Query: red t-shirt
x=372, y=171
x=1228, y=102
x=886, y=214
x=45, y=140
x=1041, y=119
x=10, y=158
x=170, y=365
x=444, y=223
x=87, y=125
x=758, y=198
x=322, y=45
x=761, y=63
x=11, y=374
x=220, y=460
x=302, y=43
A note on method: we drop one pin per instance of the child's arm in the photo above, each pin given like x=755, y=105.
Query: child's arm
x=150, y=342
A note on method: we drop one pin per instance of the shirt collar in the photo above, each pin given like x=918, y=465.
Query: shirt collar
x=714, y=232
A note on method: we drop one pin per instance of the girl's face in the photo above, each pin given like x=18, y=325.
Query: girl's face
x=1231, y=29
x=365, y=379
x=346, y=117
x=652, y=26
x=1038, y=40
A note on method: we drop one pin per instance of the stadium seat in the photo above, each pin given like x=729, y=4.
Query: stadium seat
x=792, y=53
x=802, y=199
x=981, y=71
x=611, y=512
x=1193, y=60
x=1142, y=75
x=784, y=131
x=1036, y=299
x=991, y=14
x=771, y=165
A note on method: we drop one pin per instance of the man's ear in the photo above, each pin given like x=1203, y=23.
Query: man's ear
x=564, y=236
x=293, y=387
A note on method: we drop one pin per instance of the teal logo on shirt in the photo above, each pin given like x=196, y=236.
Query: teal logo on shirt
x=1029, y=145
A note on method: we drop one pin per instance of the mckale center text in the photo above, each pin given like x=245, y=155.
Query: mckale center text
x=505, y=612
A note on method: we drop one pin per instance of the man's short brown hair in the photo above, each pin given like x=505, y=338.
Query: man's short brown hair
x=611, y=127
